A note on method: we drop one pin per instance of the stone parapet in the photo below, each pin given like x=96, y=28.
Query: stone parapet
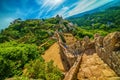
x=108, y=49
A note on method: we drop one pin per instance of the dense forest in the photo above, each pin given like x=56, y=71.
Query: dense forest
x=23, y=42
x=102, y=22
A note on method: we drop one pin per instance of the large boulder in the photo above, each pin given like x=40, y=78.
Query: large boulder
x=112, y=41
x=109, y=50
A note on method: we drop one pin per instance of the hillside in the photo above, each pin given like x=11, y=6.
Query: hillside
x=107, y=20
x=23, y=43
x=99, y=9
x=45, y=48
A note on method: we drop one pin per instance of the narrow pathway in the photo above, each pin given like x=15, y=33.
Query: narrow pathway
x=93, y=68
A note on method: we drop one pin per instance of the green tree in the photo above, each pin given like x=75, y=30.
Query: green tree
x=37, y=69
x=14, y=56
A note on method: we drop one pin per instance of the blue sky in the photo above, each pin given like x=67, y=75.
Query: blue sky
x=34, y=9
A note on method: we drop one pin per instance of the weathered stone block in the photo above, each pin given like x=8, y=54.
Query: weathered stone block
x=109, y=50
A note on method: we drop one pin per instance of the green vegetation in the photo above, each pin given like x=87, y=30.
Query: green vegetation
x=21, y=47
x=101, y=22
x=25, y=60
x=14, y=56
x=80, y=33
x=23, y=42
x=40, y=70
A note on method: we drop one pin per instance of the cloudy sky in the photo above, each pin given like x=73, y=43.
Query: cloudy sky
x=33, y=9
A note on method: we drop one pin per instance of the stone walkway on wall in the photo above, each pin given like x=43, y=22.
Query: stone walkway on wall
x=93, y=68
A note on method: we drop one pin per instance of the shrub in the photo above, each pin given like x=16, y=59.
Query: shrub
x=14, y=56
x=37, y=69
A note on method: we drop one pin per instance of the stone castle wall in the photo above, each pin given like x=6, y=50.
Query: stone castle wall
x=71, y=74
x=108, y=48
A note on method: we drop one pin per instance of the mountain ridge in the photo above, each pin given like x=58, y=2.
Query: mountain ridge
x=99, y=9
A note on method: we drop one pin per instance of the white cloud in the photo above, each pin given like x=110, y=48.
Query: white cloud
x=86, y=5
x=82, y=5
x=62, y=11
x=49, y=5
x=79, y=7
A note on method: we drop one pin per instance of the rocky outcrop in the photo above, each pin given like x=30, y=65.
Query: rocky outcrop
x=108, y=49
x=112, y=41
x=87, y=44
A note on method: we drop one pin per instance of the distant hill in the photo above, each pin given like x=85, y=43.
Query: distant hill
x=99, y=9
x=107, y=19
